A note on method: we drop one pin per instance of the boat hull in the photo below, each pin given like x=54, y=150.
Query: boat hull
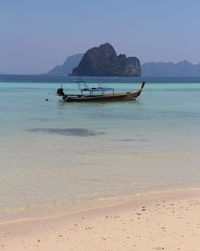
x=103, y=98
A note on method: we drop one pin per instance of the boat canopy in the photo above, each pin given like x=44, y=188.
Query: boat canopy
x=83, y=87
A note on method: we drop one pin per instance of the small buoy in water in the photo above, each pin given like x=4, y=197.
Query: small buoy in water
x=47, y=99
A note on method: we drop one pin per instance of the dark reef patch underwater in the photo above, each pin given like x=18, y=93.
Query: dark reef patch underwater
x=80, y=132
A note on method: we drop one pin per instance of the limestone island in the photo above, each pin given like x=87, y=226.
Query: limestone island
x=104, y=61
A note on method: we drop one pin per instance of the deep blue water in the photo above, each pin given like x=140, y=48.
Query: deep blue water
x=67, y=79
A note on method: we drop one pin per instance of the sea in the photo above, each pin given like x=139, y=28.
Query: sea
x=57, y=158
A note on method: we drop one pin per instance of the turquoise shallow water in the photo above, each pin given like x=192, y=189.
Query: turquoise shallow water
x=57, y=157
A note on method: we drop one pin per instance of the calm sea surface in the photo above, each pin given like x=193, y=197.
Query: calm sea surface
x=57, y=157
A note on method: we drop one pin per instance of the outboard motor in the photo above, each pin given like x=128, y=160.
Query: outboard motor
x=60, y=92
x=65, y=97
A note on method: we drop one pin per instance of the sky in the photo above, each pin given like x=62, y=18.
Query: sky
x=36, y=35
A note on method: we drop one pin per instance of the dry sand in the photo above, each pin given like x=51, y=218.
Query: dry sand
x=168, y=221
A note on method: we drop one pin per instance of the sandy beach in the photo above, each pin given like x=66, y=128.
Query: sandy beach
x=163, y=221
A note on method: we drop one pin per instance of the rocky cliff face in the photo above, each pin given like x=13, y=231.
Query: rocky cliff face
x=103, y=61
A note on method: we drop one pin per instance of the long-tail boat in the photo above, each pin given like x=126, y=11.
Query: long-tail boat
x=98, y=94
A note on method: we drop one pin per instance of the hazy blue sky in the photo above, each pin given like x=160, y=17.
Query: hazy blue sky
x=35, y=35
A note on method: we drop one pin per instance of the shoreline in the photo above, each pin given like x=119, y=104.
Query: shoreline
x=94, y=224
x=112, y=202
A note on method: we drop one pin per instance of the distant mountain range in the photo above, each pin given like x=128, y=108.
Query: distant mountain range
x=151, y=69
x=161, y=69
x=66, y=68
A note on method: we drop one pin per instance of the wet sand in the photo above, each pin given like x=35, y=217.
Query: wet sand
x=163, y=221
